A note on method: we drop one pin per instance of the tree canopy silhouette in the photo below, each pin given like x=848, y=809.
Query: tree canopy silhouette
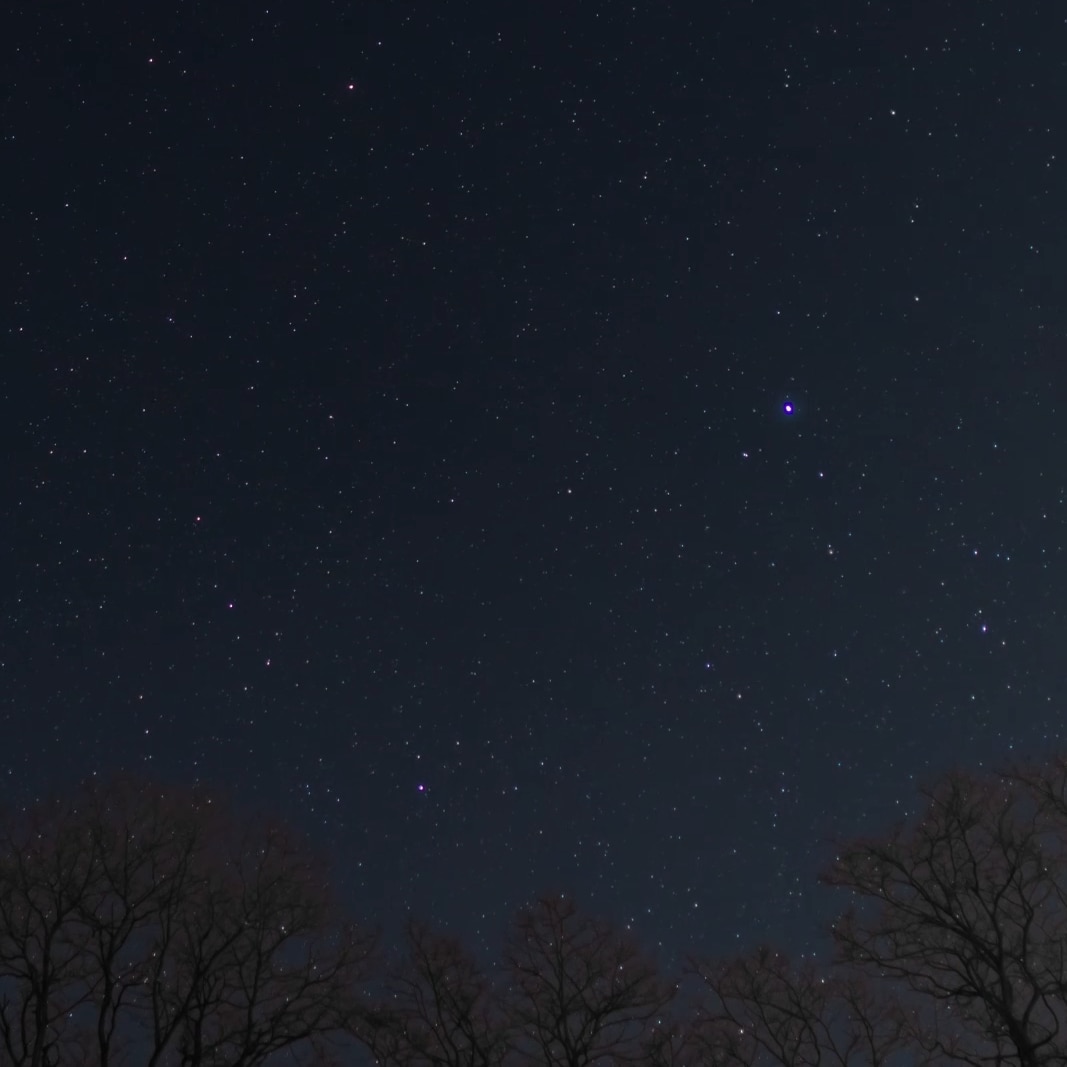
x=140, y=920
x=437, y=1008
x=580, y=991
x=151, y=926
x=964, y=913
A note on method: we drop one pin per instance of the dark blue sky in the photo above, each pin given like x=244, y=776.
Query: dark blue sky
x=394, y=397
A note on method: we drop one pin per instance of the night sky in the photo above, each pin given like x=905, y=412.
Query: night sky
x=610, y=447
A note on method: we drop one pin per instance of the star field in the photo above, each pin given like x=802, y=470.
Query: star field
x=607, y=448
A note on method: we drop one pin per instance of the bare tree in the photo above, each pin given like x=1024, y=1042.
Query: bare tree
x=671, y=1041
x=580, y=991
x=46, y=869
x=136, y=918
x=439, y=1009
x=868, y=1025
x=760, y=1009
x=965, y=911
x=263, y=961
x=142, y=843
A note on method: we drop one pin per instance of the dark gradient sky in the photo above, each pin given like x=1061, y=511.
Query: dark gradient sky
x=394, y=395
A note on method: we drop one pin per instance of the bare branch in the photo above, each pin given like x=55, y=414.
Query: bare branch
x=966, y=909
x=580, y=990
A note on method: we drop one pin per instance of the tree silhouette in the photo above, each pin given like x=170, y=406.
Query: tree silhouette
x=760, y=1009
x=151, y=926
x=580, y=991
x=438, y=1009
x=964, y=912
x=136, y=918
